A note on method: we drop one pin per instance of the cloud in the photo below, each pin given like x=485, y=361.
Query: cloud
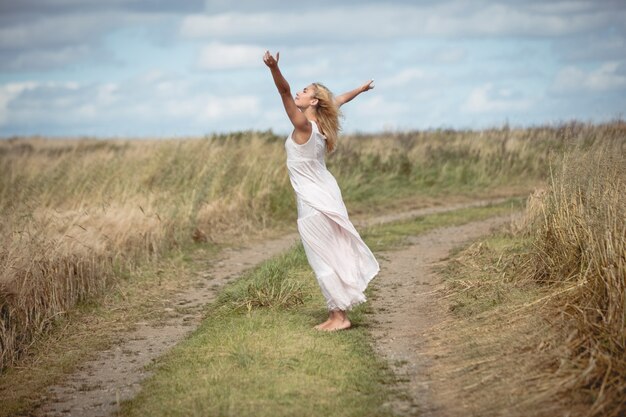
x=8, y=92
x=405, y=77
x=145, y=67
x=56, y=7
x=594, y=47
x=57, y=31
x=375, y=113
x=152, y=103
x=394, y=20
x=231, y=107
x=488, y=99
x=607, y=77
x=34, y=60
x=37, y=41
x=219, y=56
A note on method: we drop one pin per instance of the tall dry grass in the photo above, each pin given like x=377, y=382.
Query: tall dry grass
x=76, y=215
x=579, y=252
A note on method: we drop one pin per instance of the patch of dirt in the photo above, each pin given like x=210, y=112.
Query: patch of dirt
x=407, y=309
x=98, y=386
x=410, y=214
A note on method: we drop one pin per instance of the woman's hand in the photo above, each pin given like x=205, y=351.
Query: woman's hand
x=269, y=60
x=367, y=86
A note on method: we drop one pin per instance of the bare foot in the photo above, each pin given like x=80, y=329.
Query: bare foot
x=322, y=326
x=338, y=324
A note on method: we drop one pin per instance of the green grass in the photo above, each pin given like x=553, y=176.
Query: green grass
x=257, y=354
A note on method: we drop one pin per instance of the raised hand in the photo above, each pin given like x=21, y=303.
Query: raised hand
x=367, y=86
x=269, y=60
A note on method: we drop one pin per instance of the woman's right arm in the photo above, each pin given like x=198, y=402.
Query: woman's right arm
x=302, y=127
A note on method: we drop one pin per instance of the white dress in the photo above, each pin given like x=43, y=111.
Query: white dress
x=342, y=262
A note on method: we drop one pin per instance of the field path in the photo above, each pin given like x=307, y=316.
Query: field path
x=406, y=309
x=98, y=386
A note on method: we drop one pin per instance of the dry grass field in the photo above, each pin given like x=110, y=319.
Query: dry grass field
x=544, y=304
x=78, y=215
x=578, y=230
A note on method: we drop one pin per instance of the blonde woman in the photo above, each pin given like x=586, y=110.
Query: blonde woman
x=342, y=263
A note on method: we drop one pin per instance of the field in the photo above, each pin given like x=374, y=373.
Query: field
x=83, y=217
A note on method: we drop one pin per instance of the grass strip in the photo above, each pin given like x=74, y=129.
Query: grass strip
x=257, y=354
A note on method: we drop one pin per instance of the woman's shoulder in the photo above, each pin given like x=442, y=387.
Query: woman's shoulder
x=316, y=128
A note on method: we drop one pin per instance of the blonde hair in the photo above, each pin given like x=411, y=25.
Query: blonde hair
x=327, y=115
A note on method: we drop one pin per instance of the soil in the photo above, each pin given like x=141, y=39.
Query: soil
x=404, y=308
x=407, y=309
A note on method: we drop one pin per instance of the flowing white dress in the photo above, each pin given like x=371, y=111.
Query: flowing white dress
x=341, y=261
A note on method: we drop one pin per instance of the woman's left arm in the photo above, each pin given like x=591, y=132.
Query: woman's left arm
x=342, y=99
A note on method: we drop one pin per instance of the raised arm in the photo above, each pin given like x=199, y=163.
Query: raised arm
x=349, y=95
x=302, y=127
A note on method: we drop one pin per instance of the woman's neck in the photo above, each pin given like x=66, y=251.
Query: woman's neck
x=311, y=114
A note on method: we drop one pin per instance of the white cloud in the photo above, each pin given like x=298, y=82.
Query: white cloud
x=375, y=113
x=604, y=78
x=431, y=62
x=51, y=31
x=108, y=94
x=41, y=40
x=208, y=26
x=47, y=58
x=454, y=18
x=7, y=93
x=563, y=7
x=219, y=56
x=404, y=77
x=230, y=107
x=487, y=99
x=314, y=69
x=153, y=102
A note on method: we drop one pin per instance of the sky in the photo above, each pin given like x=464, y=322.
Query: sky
x=157, y=68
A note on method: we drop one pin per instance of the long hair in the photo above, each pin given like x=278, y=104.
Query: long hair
x=327, y=115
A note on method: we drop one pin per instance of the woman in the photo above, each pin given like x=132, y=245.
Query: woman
x=342, y=263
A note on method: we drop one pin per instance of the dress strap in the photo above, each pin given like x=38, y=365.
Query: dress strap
x=316, y=128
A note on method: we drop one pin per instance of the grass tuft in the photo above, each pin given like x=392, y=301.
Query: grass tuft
x=273, y=285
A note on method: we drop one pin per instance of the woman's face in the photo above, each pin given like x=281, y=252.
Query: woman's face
x=306, y=97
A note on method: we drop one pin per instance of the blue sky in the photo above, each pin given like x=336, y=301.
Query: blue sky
x=154, y=68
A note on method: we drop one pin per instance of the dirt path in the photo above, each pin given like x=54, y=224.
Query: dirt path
x=406, y=309
x=99, y=385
